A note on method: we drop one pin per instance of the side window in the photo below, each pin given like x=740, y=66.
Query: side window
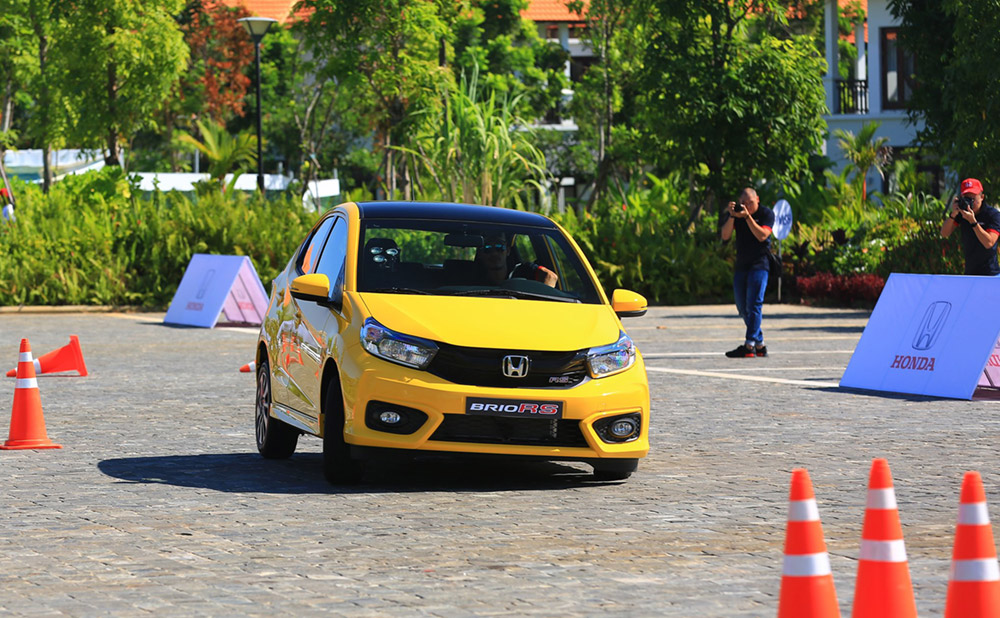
x=307, y=259
x=570, y=280
x=334, y=256
x=525, y=250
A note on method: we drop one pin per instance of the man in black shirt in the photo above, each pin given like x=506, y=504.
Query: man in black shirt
x=752, y=224
x=980, y=229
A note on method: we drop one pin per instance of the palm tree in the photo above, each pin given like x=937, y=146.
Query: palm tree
x=865, y=151
x=224, y=152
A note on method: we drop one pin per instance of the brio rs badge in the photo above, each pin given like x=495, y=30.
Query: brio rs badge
x=515, y=408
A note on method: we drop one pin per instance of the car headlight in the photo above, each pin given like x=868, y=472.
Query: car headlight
x=610, y=359
x=396, y=347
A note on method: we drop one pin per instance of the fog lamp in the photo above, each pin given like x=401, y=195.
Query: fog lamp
x=390, y=417
x=624, y=427
x=620, y=428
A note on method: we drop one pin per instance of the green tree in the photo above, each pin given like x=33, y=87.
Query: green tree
x=602, y=99
x=955, y=46
x=30, y=27
x=492, y=38
x=122, y=57
x=726, y=99
x=865, y=151
x=385, y=53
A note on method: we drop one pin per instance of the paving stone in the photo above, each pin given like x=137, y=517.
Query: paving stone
x=159, y=504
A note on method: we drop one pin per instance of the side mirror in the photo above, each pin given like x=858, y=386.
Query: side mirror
x=314, y=287
x=627, y=304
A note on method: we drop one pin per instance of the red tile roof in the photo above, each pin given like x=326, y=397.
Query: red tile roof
x=275, y=9
x=550, y=10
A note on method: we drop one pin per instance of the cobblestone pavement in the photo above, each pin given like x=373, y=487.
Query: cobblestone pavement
x=158, y=503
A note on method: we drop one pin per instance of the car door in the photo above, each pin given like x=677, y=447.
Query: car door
x=295, y=334
x=313, y=332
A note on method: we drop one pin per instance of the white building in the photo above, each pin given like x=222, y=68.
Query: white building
x=880, y=90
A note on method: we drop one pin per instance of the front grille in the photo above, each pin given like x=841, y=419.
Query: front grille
x=484, y=367
x=500, y=430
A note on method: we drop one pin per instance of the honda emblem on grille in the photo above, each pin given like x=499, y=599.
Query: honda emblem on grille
x=515, y=366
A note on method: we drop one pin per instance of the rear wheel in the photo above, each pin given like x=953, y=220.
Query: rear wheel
x=615, y=469
x=338, y=466
x=275, y=439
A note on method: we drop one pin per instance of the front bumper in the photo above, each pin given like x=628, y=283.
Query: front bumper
x=583, y=405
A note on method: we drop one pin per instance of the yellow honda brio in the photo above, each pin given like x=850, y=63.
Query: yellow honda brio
x=448, y=328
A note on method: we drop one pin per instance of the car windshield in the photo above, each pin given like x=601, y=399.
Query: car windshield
x=460, y=258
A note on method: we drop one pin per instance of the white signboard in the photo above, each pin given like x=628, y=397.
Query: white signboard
x=217, y=286
x=782, y=220
x=928, y=335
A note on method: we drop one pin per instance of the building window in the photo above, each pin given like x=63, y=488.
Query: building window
x=897, y=71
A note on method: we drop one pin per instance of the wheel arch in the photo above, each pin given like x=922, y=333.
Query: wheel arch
x=331, y=380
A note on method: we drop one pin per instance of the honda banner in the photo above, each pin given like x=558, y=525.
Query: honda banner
x=928, y=335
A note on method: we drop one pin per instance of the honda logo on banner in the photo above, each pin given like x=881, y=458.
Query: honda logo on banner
x=931, y=325
x=515, y=366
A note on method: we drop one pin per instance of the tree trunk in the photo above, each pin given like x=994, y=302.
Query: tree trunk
x=113, y=156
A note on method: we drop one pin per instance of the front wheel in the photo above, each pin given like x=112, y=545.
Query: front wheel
x=275, y=439
x=615, y=469
x=338, y=466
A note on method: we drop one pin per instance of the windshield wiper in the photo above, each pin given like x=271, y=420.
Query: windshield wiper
x=501, y=292
x=399, y=291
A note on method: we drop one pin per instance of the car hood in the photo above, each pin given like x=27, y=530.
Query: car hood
x=496, y=322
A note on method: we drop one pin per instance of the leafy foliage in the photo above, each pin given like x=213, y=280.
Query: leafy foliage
x=718, y=89
x=93, y=240
x=225, y=153
x=645, y=244
x=122, y=58
x=954, y=45
x=479, y=152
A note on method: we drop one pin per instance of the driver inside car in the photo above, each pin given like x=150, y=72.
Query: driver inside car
x=491, y=259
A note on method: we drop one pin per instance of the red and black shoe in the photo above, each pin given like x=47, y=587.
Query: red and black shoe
x=743, y=351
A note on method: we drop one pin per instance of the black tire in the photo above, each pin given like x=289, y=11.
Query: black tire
x=338, y=466
x=275, y=439
x=615, y=469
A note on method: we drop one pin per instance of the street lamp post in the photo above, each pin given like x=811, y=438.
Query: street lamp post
x=257, y=27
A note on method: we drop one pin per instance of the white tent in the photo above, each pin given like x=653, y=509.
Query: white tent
x=163, y=181
x=27, y=164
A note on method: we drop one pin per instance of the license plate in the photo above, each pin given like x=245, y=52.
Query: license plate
x=513, y=408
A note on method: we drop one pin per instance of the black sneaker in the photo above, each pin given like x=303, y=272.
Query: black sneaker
x=743, y=351
x=760, y=350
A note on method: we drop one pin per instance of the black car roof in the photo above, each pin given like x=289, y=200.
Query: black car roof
x=450, y=212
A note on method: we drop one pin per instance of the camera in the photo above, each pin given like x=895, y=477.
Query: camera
x=965, y=202
x=739, y=207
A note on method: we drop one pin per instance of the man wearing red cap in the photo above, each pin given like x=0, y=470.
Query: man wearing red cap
x=980, y=225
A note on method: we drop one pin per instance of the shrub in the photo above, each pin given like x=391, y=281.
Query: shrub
x=644, y=244
x=854, y=290
x=92, y=240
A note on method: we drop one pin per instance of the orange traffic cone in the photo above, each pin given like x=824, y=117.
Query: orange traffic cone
x=249, y=367
x=974, y=583
x=883, y=585
x=27, y=425
x=806, y=580
x=67, y=358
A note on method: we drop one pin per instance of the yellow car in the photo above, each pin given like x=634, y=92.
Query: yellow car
x=448, y=328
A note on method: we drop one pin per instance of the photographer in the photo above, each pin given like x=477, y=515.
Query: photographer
x=752, y=224
x=980, y=225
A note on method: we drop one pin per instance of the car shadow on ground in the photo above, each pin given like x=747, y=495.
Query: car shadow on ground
x=303, y=474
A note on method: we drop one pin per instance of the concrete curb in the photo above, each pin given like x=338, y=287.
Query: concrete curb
x=60, y=309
